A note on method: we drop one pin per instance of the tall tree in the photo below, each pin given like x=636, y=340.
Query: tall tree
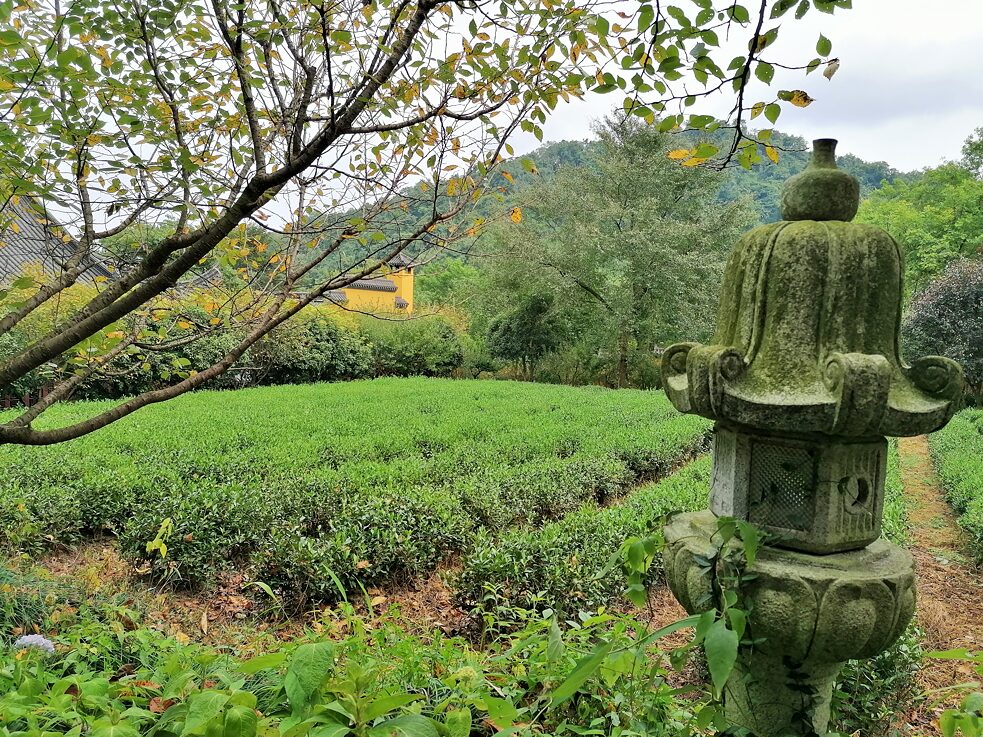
x=634, y=240
x=973, y=153
x=937, y=217
x=292, y=116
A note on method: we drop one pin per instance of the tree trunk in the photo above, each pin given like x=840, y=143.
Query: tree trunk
x=623, y=359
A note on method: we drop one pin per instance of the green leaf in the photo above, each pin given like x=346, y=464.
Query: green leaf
x=458, y=723
x=240, y=721
x=408, y=725
x=203, y=707
x=308, y=668
x=105, y=728
x=720, y=646
x=738, y=621
x=947, y=723
x=554, y=646
x=764, y=71
x=585, y=668
x=739, y=13
x=23, y=282
x=10, y=38
x=772, y=111
x=382, y=706
x=501, y=712
x=751, y=538
x=637, y=594
x=824, y=46
x=262, y=662
x=645, y=17
x=705, y=151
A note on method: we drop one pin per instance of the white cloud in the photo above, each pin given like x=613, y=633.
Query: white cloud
x=909, y=90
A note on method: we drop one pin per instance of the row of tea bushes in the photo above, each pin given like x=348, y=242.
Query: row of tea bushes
x=509, y=571
x=958, y=453
x=895, y=521
x=324, y=488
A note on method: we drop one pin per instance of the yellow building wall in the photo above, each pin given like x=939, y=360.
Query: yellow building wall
x=370, y=300
x=404, y=286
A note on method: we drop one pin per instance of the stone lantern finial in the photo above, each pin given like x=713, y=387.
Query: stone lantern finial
x=804, y=379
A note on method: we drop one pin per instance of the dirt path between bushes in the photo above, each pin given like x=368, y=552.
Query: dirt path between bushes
x=950, y=588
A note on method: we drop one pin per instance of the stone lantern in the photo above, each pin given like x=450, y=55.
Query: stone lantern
x=804, y=379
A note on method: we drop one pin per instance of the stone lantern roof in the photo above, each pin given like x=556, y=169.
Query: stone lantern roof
x=807, y=334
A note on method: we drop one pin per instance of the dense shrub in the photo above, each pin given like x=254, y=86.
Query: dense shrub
x=373, y=481
x=506, y=570
x=870, y=694
x=426, y=346
x=105, y=678
x=946, y=319
x=958, y=453
x=311, y=351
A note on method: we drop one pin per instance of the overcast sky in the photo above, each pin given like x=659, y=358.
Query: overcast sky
x=909, y=91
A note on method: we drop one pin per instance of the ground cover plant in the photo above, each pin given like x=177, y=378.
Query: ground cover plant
x=958, y=453
x=95, y=672
x=322, y=489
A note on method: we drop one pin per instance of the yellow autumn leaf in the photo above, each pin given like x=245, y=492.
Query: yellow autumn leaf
x=115, y=335
x=508, y=176
x=184, y=325
x=757, y=109
x=679, y=153
x=772, y=154
x=800, y=98
x=695, y=161
x=516, y=215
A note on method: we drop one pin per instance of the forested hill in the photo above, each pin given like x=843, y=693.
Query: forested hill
x=763, y=182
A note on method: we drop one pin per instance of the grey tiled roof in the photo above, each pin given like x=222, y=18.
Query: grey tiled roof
x=400, y=261
x=373, y=285
x=209, y=277
x=31, y=236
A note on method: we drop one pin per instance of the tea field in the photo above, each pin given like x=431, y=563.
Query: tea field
x=325, y=489
x=958, y=454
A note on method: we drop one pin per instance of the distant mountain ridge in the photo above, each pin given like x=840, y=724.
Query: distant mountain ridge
x=763, y=182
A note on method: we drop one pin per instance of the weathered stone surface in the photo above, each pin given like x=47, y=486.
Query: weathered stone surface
x=807, y=614
x=816, y=494
x=804, y=378
x=821, y=192
x=807, y=335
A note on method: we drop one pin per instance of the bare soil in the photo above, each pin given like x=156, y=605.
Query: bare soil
x=950, y=589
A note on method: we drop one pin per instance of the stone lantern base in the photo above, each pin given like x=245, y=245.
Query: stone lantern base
x=807, y=615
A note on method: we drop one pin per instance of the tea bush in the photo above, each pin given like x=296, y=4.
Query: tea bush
x=363, y=482
x=510, y=568
x=958, y=453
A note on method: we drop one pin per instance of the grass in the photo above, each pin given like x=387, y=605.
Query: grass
x=323, y=489
x=957, y=450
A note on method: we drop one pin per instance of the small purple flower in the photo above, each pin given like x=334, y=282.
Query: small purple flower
x=34, y=641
